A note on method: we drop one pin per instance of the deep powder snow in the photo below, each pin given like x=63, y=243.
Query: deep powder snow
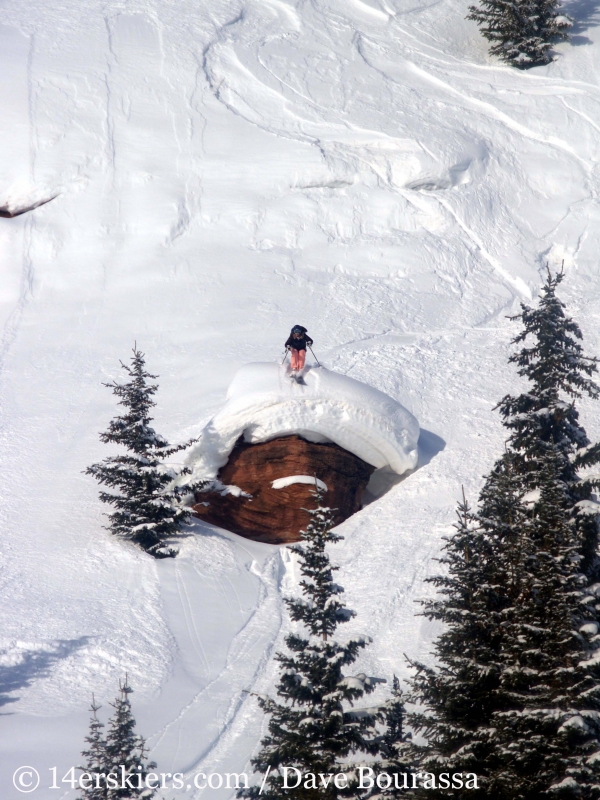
x=223, y=170
x=264, y=403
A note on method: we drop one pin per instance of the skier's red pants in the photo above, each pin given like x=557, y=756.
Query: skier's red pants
x=298, y=358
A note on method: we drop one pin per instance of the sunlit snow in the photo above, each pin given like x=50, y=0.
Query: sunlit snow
x=222, y=170
x=263, y=403
x=290, y=480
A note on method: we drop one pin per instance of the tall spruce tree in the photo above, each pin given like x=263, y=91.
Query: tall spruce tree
x=459, y=696
x=125, y=752
x=315, y=728
x=147, y=510
x=547, y=734
x=544, y=419
x=521, y=32
x=515, y=696
x=94, y=768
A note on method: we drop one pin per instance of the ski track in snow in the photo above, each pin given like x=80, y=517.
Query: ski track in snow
x=225, y=170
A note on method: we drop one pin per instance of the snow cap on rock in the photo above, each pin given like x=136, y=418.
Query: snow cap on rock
x=263, y=404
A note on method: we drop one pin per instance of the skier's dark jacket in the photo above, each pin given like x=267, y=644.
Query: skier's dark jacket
x=299, y=344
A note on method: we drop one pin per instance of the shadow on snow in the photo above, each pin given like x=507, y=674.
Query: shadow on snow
x=585, y=15
x=33, y=665
x=382, y=480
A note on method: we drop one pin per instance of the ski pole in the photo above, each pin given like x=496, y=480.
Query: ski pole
x=314, y=356
x=285, y=355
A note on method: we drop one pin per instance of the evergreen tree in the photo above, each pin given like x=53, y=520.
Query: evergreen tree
x=521, y=32
x=126, y=752
x=459, y=696
x=515, y=696
x=315, y=728
x=547, y=735
x=544, y=419
x=95, y=760
x=147, y=510
x=395, y=744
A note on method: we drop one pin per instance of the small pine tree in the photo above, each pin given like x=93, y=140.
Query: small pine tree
x=126, y=752
x=147, y=511
x=394, y=739
x=521, y=32
x=95, y=759
x=312, y=729
x=395, y=744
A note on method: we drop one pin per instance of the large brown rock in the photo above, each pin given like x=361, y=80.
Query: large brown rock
x=278, y=515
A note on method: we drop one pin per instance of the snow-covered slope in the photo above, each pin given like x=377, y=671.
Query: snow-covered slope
x=225, y=169
x=263, y=402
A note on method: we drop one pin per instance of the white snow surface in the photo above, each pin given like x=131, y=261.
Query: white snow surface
x=283, y=483
x=222, y=170
x=263, y=403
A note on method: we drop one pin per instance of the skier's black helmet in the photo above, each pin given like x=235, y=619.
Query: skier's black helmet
x=298, y=329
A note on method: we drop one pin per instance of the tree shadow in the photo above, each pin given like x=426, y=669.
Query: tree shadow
x=34, y=664
x=585, y=15
x=382, y=480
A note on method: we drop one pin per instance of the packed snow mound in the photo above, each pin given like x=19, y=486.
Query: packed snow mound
x=263, y=403
x=283, y=483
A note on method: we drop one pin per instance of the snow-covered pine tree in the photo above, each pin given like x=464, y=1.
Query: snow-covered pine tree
x=521, y=31
x=544, y=417
x=395, y=743
x=394, y=739
x=95, y=760
x=126, y=752
x=515, y=696
x=315, y=728
x=546, y=733
x=457, y=698
x=147, y=510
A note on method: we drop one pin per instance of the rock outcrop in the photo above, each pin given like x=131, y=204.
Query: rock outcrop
x=9, y=210
x=258, y=511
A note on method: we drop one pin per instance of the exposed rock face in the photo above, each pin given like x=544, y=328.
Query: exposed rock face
x=10, y=211
x=276, y=515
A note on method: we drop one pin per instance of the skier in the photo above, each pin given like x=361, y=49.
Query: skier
x=296, y=344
